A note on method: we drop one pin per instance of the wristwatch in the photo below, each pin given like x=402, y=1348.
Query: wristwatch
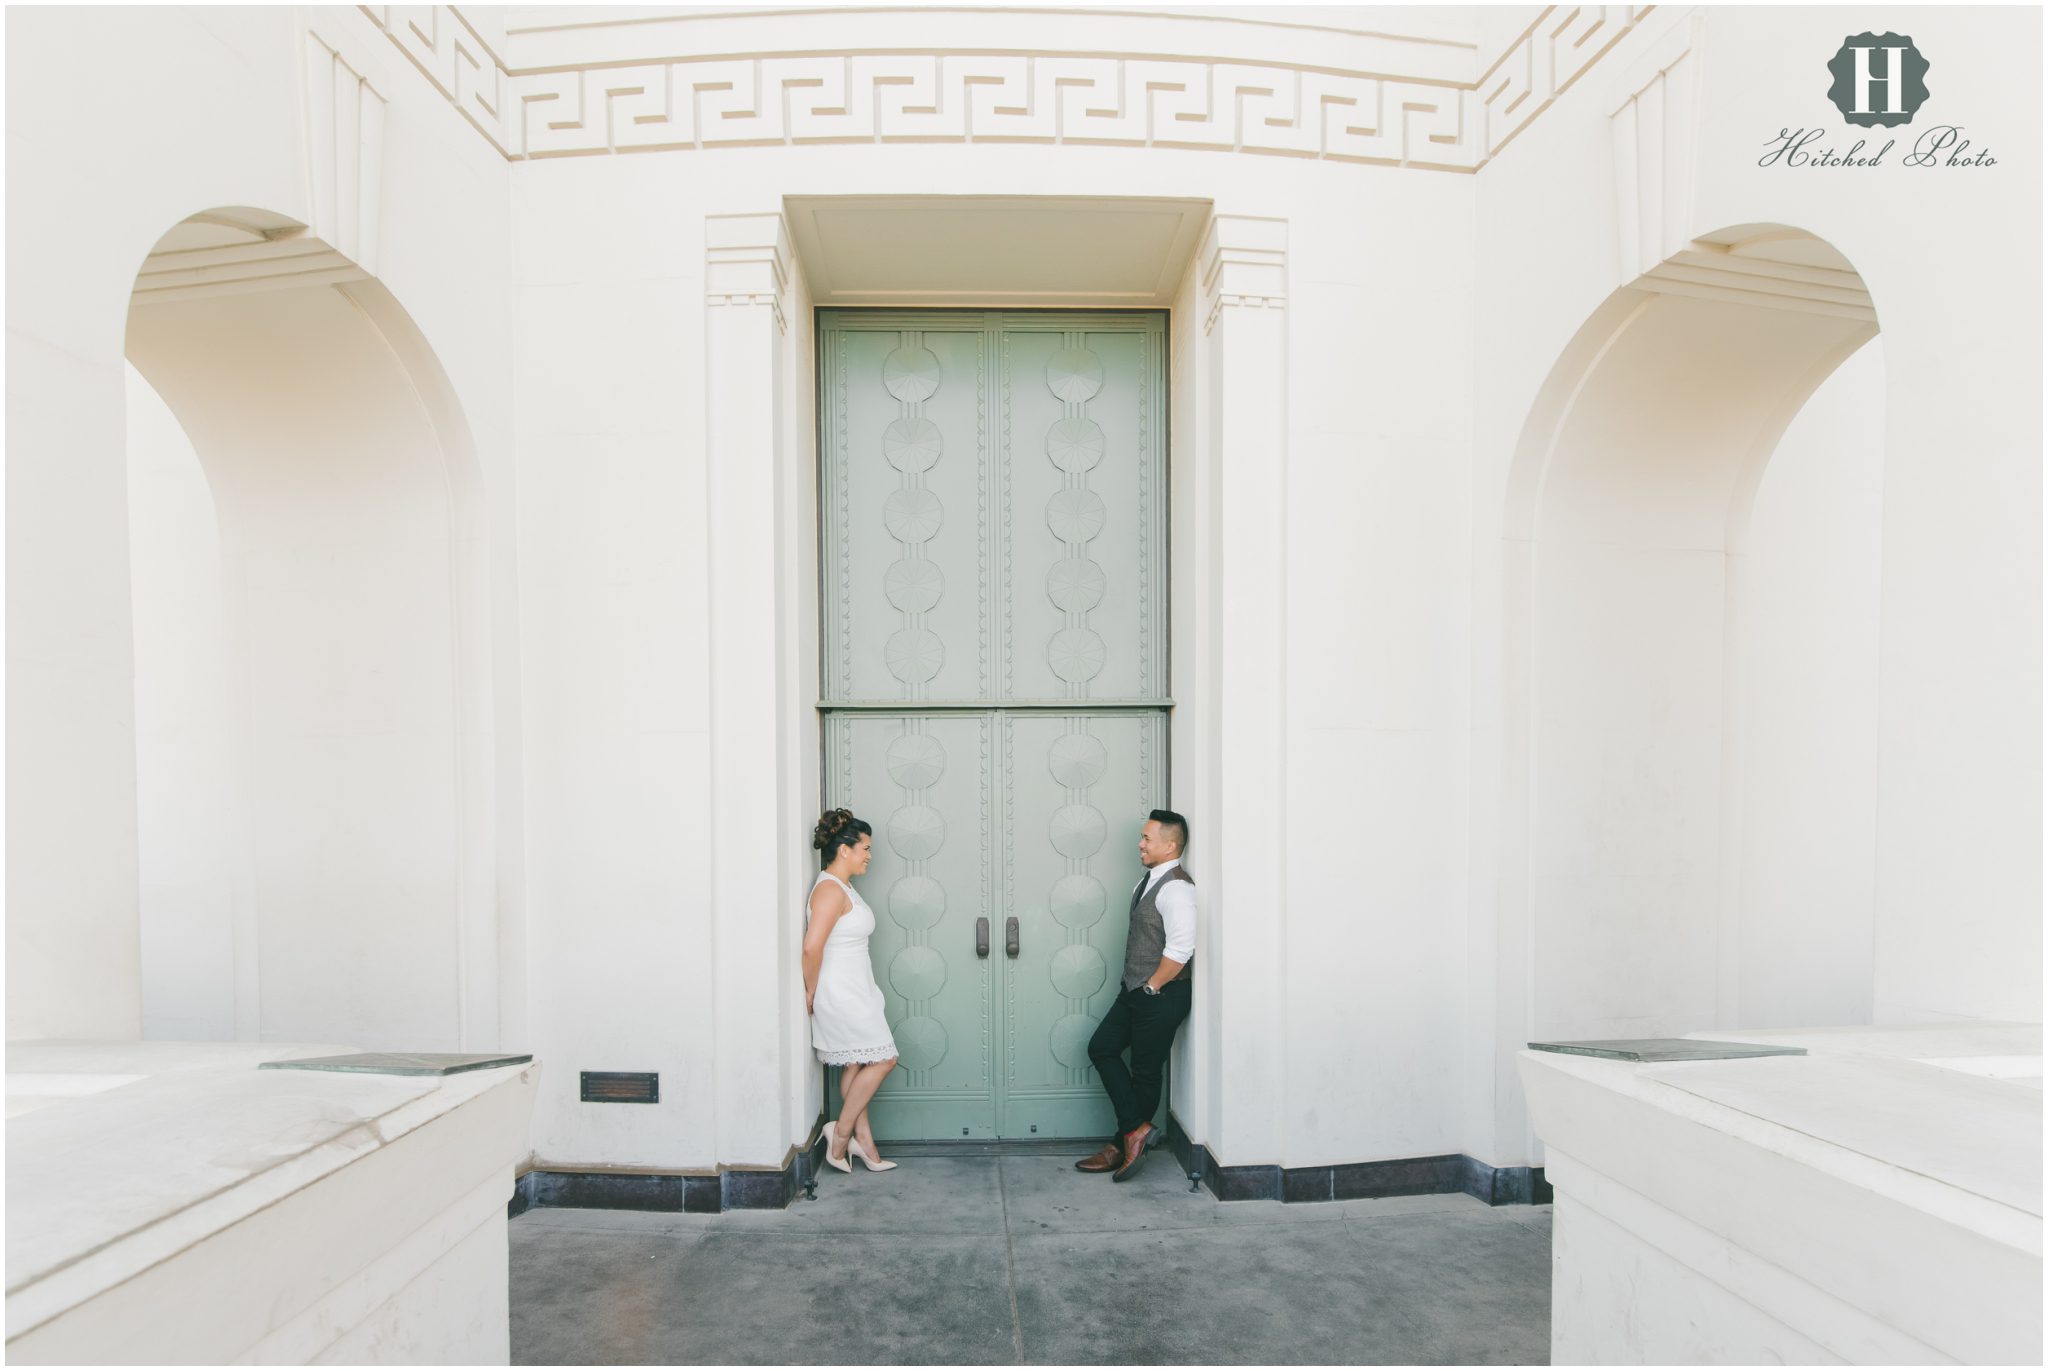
x=1151, y=989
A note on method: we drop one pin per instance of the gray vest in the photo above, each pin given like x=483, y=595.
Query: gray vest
x=1148, y=933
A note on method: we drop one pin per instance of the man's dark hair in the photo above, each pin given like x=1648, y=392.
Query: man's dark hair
x=1174, y=824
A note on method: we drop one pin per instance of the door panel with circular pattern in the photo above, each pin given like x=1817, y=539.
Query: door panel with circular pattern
x=923, y=783
x=1076, y=791
x=993, y=520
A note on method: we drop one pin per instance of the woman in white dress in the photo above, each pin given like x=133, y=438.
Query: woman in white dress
x=848, y=1026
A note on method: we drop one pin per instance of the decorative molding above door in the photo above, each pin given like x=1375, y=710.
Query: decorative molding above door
x=1407, y=109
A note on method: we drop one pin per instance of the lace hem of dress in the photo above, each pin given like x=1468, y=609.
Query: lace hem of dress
x=855, y=1056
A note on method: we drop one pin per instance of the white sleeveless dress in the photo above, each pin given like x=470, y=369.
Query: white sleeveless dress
x=848, y=1023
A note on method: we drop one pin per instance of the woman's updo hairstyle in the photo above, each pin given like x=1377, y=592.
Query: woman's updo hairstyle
x=836, y=830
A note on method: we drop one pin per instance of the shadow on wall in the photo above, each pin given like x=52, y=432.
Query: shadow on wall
x=308, y=633
x=1691, y=652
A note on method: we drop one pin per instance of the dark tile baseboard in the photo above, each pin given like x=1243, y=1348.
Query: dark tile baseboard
x=666, y=1194
x=1445, y=1175
x=1504, y=1184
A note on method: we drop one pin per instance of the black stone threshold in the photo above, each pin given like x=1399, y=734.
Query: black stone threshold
x=763, y=1189
x=1450, y=1174
x=670, y=1194
x=704, y=1193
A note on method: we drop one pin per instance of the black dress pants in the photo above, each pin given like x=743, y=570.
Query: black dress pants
x=1145, y=1024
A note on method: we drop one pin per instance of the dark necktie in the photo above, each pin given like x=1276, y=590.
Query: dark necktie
x=1139, y=893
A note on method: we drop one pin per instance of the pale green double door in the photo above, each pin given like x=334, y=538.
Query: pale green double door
x=994, y=610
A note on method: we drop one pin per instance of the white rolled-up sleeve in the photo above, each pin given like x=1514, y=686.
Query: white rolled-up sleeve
x=1176, y=906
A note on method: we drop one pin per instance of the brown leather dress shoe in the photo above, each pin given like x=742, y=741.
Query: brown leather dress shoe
x=1108, y=1159
x=1136, y=1143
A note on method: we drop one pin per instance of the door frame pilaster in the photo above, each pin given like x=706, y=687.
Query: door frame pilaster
x=760, y=574
x=1235, y=574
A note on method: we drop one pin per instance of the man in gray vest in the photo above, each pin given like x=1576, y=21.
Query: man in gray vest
x=1158, y=987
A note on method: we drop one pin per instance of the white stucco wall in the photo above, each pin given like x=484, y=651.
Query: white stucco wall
x=435, y=341
x=1807, y=846
x=1960, y=657
x=187, y=814
x=1378, y=603
x=614, y=626
x=616, y=609
x=1549, y=256
x=1414, y=917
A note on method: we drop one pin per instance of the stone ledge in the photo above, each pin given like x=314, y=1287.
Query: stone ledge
x=1871, y=1201
x=145, y=1195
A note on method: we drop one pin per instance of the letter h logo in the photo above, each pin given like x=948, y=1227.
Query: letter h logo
x=1878, y=80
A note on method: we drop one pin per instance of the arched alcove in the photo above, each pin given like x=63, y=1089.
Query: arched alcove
x=338, y=794
x=1691, y=720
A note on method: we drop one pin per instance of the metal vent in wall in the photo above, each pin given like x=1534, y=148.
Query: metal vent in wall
x=621, y=1087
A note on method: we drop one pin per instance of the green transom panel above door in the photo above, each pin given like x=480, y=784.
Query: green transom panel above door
x=994, y=507
x=994, y=611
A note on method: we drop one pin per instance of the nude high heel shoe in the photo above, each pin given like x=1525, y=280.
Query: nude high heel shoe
x=839, y=1162
x=854, y=1148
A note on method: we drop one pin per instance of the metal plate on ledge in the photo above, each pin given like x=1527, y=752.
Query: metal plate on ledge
x=402, y=1063
x=1666, y=1049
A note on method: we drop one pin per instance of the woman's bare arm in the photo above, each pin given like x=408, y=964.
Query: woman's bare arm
x=828, y=903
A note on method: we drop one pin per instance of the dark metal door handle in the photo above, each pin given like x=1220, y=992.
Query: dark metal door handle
x=981, y=937
x=1010, y=935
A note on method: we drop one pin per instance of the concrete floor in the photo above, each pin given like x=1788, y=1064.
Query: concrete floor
x=1020, y=1259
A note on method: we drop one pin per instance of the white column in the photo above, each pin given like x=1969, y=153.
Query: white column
x=1243, y=298
x=746, y=275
